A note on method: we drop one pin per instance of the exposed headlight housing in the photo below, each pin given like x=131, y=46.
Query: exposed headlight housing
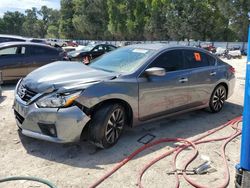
x=56, y=100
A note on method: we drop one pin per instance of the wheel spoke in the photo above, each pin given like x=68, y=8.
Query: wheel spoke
x=110, y=136
x=109, y=131
x=219, y=105
x=120, y=114
x=216, y=106
x=110, y=123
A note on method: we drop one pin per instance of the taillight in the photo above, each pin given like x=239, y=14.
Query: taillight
x=232, y=70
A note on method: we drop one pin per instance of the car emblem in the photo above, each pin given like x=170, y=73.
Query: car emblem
x=22, y=91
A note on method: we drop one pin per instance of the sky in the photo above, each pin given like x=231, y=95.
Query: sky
x=22, y=5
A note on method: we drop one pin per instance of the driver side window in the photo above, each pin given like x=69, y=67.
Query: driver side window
x=170, y=61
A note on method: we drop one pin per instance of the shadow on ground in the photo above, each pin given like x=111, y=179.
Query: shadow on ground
x=85, y=155
x=2, y=98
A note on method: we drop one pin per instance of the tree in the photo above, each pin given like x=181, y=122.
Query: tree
x=236, y=12
x=117, y=19
x=52, y=32
x=91, y=18
x=66, y=28
x=12, y=23
x=155, y=19
x=30, y=25
x=49, y=17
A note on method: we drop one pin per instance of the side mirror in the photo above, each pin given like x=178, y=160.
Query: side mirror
x=155, y=71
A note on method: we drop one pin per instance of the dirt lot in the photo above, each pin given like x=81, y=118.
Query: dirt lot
x=79, y=165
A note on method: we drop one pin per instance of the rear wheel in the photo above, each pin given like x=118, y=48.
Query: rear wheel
x=218, y=98
x=107, y=125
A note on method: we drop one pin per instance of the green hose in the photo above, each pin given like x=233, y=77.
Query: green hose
x=16, y=178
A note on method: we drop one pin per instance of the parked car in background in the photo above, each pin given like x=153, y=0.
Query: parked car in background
x=90, y=52
x=12, y=38
x=233, y=53
x=36, y=40
x=220, y=52
x=71, y=43
x=62, y=101
x=69, y=48
x=17, y=59
x=56, y=43
x=208, y=46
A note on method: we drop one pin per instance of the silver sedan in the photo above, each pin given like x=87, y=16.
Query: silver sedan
x=64, y=101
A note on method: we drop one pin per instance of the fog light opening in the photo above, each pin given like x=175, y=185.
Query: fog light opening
x=48, y=129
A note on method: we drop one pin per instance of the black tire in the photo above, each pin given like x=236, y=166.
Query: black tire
x=217, y=99
x=106, y=125
x=229, y=57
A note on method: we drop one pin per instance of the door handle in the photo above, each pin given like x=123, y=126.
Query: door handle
x=212, y=73
x=183, y=80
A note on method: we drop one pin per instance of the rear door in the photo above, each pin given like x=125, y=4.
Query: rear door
x=13, y=62
x=159, y=95
x=203, y=75
x=41, y=55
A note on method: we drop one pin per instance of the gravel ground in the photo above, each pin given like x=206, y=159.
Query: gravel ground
x=79, y=165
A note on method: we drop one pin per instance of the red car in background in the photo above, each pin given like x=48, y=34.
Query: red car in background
x=71, y=43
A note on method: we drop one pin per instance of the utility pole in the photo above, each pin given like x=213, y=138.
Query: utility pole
x=243, y=169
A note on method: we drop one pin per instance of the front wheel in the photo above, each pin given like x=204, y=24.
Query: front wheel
x=107, y=125
x=218, y=99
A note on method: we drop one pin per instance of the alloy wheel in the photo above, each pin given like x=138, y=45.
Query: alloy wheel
x=219, y=98
x=115, y=125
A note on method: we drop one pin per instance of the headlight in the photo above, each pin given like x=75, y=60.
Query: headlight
x=56, y=100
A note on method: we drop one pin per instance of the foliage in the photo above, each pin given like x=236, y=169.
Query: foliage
x=224, y=20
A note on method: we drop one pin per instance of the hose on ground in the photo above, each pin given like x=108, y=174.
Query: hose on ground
x=186, y=144
x=177, y=150
x=28, y=178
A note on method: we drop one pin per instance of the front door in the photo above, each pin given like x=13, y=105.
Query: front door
x=159, y=95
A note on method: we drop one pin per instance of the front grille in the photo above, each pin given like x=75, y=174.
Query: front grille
x=25, y=93
x=19, y=118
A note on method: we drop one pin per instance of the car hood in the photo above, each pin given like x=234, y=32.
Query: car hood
x=64, y=75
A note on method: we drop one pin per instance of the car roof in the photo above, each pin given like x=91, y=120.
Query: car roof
x=162, y=46
x=5, y=44
x=36, y=39
x=12, y=36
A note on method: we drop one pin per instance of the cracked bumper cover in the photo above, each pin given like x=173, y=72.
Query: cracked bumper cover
x=68, y=122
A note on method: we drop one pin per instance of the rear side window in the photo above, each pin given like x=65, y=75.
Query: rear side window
x=110, y=48
x=211, y=60
x=195, y=59
x=171, y=61
x=9, y=51
x=39, y=50
x=14, y=50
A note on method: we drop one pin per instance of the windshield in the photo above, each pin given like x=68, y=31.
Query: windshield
x=84, y=49
x=122, y=60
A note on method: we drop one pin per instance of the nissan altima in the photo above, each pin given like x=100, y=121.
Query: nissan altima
x=62, y=101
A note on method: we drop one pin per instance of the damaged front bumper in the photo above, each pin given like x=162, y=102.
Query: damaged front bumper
x=60, y=125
